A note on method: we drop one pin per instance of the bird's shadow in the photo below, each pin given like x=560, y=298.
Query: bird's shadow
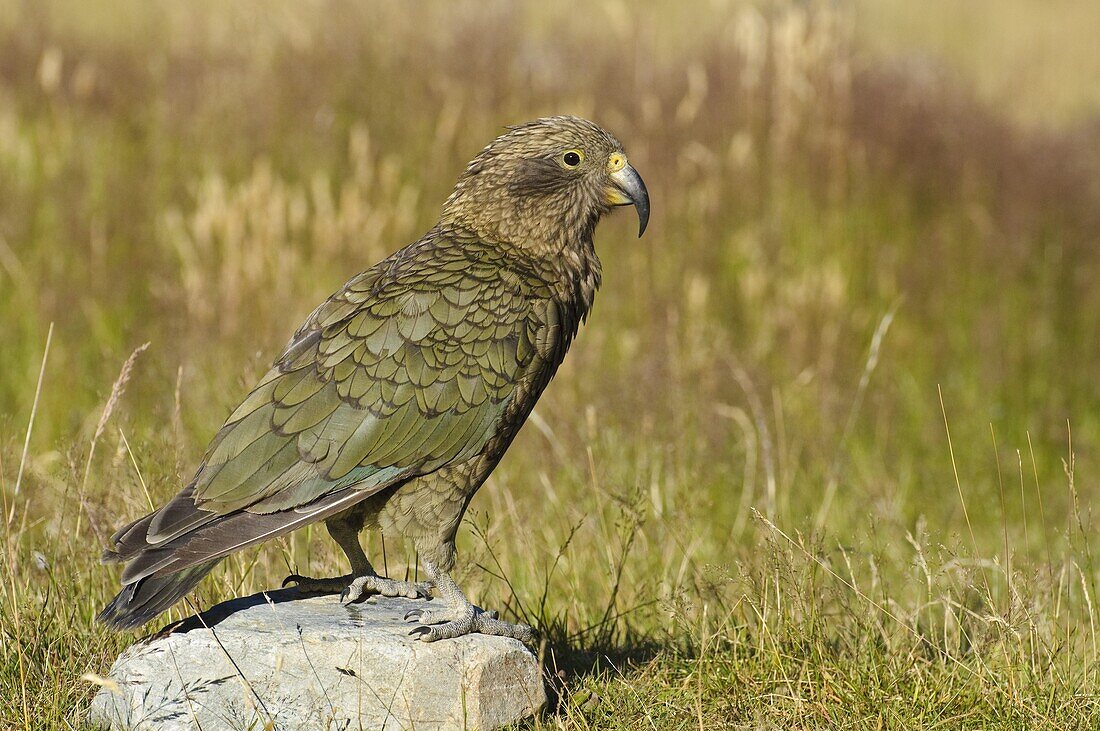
x=218, y=613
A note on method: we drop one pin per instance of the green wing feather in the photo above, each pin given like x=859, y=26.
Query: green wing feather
x=406, y=369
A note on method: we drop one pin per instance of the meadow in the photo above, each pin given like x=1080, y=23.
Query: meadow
x=826, y=453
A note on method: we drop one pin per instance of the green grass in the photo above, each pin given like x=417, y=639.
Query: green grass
x=739, y=505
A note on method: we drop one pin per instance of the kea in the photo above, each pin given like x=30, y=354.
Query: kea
x=401, y=392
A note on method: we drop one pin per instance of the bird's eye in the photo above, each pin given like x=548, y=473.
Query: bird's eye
x=572, y=158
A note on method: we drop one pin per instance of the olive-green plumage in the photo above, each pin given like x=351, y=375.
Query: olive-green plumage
x=400, y=393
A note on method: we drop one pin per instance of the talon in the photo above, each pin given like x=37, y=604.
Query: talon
x=413, y=614
x=355, y=590
x=295, y=578
x=420, y=632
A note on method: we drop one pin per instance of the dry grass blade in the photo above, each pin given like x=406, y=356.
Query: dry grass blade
x=34, y=412
x=117, y=390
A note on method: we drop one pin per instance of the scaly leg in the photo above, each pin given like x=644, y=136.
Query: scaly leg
x=363, y=579
x=459, y=617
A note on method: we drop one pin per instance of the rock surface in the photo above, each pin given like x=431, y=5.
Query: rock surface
x=280, y=661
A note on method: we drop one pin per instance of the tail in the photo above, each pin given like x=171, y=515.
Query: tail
x=147, y=597
x=169, y=551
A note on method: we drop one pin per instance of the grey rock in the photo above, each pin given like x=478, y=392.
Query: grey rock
x=276, y=660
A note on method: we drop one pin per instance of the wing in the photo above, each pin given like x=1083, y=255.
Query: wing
x=406, y=369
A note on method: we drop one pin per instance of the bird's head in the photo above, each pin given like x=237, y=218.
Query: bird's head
x=546, y=183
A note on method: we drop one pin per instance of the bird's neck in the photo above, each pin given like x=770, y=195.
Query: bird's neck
x=545, y=225
x=559, y=247
x=579, y=272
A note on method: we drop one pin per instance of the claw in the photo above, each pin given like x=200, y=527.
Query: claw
x=295, y=578
x=419, y=632
x=413, y=614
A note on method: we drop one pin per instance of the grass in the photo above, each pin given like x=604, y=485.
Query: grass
x=823, y=457
x=1033, y=58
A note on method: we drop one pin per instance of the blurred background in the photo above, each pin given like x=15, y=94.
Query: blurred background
x=859, y=340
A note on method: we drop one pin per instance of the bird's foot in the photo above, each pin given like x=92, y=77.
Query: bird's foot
x=366, y=585
x=352, y=587
x=463, y=620
x=309, y=585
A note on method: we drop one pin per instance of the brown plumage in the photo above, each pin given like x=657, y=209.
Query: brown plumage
x=394, y=401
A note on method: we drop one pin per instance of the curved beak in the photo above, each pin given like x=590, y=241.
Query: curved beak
x=628, y=189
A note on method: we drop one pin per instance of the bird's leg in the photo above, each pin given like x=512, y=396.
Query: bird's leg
x=459, y=617
x=363, y=579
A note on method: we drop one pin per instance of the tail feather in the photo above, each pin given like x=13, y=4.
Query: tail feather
x=158, y=574
x=144, y=599
x=122, y=543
